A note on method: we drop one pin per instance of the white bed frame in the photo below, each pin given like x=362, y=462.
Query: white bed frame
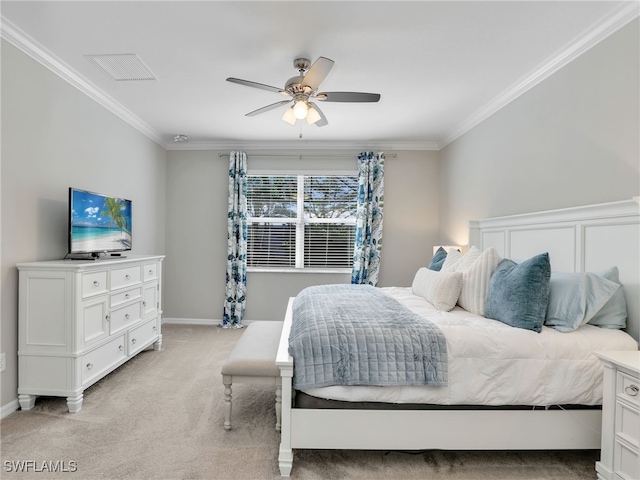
x=591, y=238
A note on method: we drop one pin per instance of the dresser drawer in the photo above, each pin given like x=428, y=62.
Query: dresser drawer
x=94, y=283
x=628, y=388
x=141, y=336
x=125, y=277
x=124, y=296
x=125, y=316
x=150, y=271
x=97, y=361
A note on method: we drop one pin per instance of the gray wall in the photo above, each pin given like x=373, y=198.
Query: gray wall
x=54, y=137
x=196, y=229
x=571, y=140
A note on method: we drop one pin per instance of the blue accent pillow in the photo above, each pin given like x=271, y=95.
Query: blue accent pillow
x=519, y=293
x=575, y=297
x=438, y=259
x=614, y=312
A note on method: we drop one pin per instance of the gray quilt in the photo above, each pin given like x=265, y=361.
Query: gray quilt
x=357, y=335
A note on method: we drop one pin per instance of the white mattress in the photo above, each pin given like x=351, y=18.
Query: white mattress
x=491, y=363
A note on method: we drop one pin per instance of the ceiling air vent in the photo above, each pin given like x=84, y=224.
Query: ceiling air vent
x=122, y=67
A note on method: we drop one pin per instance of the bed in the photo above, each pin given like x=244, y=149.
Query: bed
x=521, y=410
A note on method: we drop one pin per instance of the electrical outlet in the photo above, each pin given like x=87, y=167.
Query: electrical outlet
x=3, y=362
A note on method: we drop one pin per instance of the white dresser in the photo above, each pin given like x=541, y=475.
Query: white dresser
x=620, y=457
x=80, y=320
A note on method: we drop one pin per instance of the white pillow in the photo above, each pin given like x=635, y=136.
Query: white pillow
x=454, y=257
x=468, y=259
x=475, y=280
x=441, y=289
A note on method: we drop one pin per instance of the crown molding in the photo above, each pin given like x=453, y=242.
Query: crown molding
x=609, y=24
x=29, y=46
x=303, y=145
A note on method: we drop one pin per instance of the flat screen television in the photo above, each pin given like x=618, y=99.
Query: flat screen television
x=98, y=223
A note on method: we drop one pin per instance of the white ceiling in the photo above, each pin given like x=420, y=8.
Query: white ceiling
x=440, y=67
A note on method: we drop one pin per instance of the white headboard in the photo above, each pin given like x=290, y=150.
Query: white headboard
x=591, y=238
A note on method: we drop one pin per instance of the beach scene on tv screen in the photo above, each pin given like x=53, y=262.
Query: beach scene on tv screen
x=99, y=223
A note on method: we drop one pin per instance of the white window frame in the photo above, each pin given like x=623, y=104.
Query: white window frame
x=300, y=221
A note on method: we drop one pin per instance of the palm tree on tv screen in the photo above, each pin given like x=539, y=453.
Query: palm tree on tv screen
x=113, y=208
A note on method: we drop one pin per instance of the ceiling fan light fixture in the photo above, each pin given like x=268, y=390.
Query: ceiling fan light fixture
x=289, y=116
x=312, y=116
x=300, y=109
x=302, y=91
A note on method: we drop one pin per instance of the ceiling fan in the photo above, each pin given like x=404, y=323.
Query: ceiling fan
x=302, y=89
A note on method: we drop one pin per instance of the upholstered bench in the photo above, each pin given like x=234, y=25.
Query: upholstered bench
x=253, y=360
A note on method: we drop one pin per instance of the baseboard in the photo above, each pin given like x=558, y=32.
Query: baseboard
x=9, y=408
x=199, y=321
x=191, y=321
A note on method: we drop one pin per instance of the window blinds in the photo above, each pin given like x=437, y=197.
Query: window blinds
x=301, y=221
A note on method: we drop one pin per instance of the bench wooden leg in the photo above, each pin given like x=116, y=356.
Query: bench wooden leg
x=227, y=403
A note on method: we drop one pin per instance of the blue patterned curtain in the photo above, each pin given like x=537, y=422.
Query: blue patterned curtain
x=236, y=287
x=366, y=255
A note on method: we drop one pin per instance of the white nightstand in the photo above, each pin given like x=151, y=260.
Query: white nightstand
x=620, y=457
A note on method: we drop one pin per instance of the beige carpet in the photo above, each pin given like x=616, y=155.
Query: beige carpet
x=160, y=416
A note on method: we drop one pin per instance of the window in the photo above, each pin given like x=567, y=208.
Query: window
x=301, y=221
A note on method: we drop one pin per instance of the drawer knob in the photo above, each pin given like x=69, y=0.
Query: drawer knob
x=120, y=347
x=133, y=340
x=150, y=272
x=127, y=277
x=89, y=366
x=96, y=283
x=126, y=315
x=155, y=328
x=632, y=390
x=108, y=318
x=144, y=304
x=126, y=295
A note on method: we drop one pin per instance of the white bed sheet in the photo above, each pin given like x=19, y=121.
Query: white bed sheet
x=491, y=363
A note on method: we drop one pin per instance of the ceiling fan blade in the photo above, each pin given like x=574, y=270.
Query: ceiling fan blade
x=323, y=120
x=347, y=97
x=261, y=86
x=318, y=72
x=267, y=108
